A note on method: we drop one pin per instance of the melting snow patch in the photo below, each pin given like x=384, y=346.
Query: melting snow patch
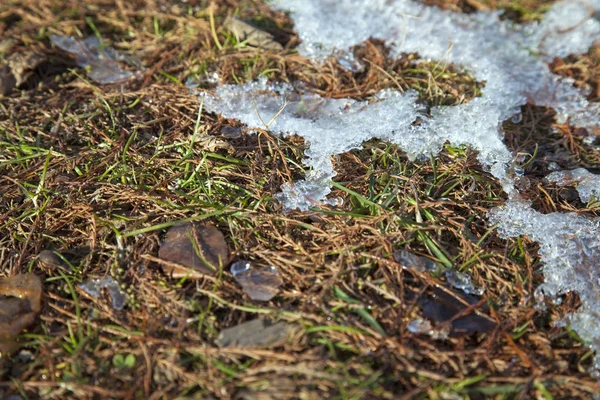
x=588, y=184
x=329, y=126
x=509, y=58
x=570, y=250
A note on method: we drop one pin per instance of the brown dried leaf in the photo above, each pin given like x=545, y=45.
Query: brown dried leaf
x=20, y=301
x=48, y=260
x=193, y=250
x=7, y=81
x=252, y=35
x=443, y=307
x=22, y=65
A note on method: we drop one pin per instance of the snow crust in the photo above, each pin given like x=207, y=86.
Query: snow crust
x=588, y=184
x=570, y=251
x=510, y=59
x=329, y=127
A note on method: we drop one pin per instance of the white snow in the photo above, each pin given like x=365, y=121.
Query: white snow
x=329, y=126
x=510, y=59
x=570, y=251
x=588, y=184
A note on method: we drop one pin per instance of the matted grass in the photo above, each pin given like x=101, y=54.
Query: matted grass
x=98, y=173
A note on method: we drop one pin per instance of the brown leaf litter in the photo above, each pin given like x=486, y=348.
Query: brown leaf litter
x=193, y=250
x=20, y=303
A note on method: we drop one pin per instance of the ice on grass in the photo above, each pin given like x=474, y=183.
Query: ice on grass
x=258, y=283
x=462, y=281
x=512, y=61
x=588, y=184
x=570, y=250
x=90, y=52
x=413, y=261
x=328, y=126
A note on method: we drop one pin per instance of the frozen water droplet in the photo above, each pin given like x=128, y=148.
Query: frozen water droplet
x=463, y=282
x=523, y=183
x=410, y=260
x=519, y=171
x=238, y=267
x=103, y=61
x=419, y=326
x=258, y=283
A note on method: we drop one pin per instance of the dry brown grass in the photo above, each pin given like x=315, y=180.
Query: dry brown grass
x=118, y=163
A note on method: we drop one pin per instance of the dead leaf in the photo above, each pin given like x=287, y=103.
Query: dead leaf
x=7, y=81
x=256, y=333
x=193, y=250
x=20, y=302
x=22, y=65
x=251, y=35
x=231, y=132
x=6, y=46
x=443, y=307
x=47, y=259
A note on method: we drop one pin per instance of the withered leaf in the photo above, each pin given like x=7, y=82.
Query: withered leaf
x=47, y=259
x=193, y=250
x=251, y=34
x=7, y=80
x=441, y=306
x=20, y=302
x=22, y=65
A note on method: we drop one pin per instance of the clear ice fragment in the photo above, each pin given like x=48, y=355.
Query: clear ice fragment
x=412, y=261
x=419, y=326
x=588, y=184
x=93, y=287
x=103, y=61
x=258, y=283
x=424, y=326
x=462, y=281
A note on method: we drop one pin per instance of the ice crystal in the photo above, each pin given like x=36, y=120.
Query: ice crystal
x=588, y=184
x=570, y=250
x=94, y=286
